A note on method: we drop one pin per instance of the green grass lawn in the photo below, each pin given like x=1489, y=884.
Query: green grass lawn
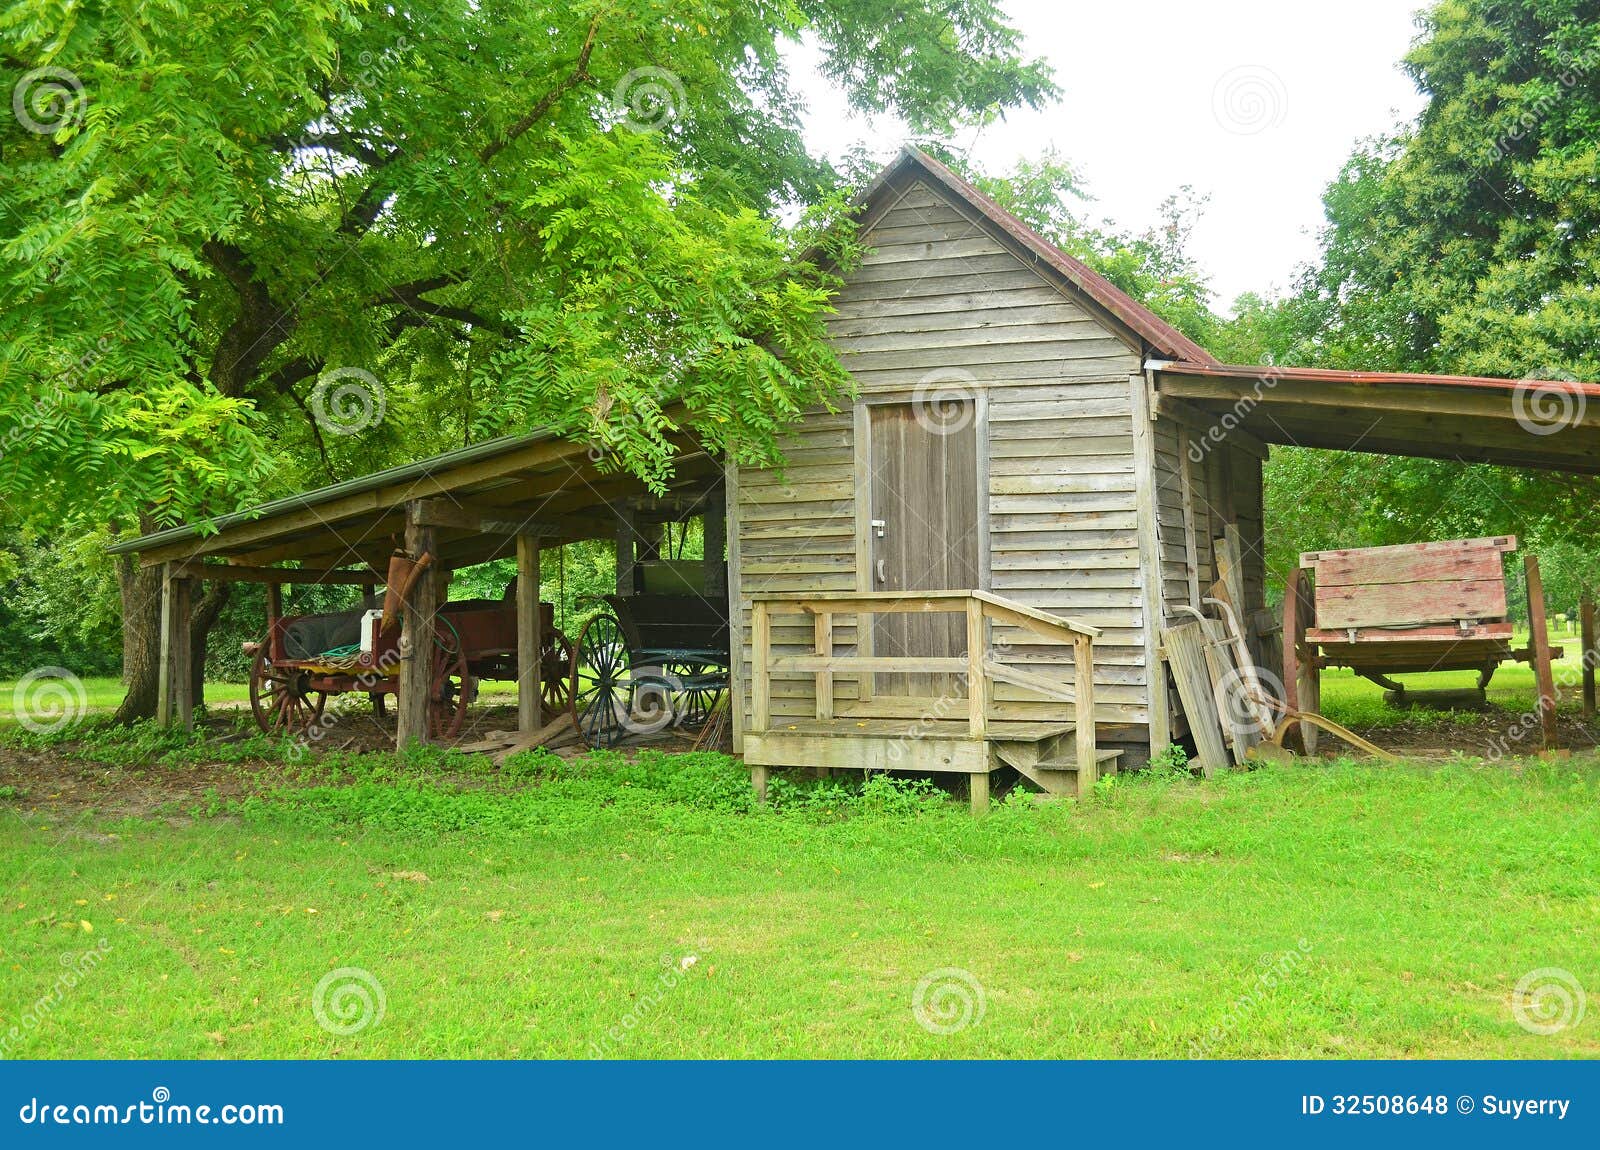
x=101, y=696
x=641, y=908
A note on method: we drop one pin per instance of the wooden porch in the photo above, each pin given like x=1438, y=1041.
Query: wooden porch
x=954, y=732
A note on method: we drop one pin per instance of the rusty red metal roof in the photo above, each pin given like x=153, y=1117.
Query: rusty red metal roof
x=1155, y=331
x=1210, y=367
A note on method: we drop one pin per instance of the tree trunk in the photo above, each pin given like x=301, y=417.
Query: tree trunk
x=201, y=617
x=140, y=589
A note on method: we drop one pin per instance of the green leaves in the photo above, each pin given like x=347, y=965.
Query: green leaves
x=508, y=213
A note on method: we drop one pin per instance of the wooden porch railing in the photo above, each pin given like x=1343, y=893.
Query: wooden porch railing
x=979, y=667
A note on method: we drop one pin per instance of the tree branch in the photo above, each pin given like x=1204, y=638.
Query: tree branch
x=579, y=75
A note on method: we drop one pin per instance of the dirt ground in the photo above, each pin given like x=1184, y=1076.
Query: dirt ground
x=1494, y=733
x=59, y=782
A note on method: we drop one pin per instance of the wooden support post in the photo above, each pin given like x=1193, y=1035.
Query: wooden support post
x=175, y=673
x=822, y=631
x=736, y=631
x=1152, y=599
x=980, y=792
x=625, y=550
x=1083, y=693
x=714, y=527
x=1191, y=547
x=1544, y=674
x=758, y=780
x=416, y=643
x=760, y=669
x=977, y=676
x=1586, y=630
x=530, y=637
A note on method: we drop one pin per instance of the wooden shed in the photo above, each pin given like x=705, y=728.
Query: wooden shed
x=970, y=564
x=1000, y=495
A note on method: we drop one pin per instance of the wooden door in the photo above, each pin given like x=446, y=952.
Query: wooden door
x=924, y=531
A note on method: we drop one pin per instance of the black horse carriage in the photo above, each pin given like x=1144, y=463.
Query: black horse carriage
x=649, y=662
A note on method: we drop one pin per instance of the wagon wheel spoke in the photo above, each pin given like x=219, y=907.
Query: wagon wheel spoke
x=280, y=697
x=694, y=701
x=601, y=687
x=555, y=680
x=450, y=690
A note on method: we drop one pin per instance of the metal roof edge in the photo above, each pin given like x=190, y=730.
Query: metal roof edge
x=400, y=473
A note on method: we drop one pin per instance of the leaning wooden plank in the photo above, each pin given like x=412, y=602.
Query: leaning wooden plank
x=1184, y=648
x=1229, y=691
x=1538, y=625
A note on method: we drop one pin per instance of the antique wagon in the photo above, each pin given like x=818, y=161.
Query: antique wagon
x=303, y=659
x=1418, y=607
x=647, y=662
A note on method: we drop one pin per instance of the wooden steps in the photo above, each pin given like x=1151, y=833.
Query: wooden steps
x=1043, y=753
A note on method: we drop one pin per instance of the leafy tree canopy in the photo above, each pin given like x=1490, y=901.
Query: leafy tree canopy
x=234, y=231
x=1465, y=242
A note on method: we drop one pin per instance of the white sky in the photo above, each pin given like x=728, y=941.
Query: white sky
x=1255, y=102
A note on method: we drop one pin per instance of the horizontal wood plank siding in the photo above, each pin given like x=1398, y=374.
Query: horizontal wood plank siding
x=941, y=303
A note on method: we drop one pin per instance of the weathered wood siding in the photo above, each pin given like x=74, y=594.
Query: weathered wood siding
x=942, y=304
x=796, y=532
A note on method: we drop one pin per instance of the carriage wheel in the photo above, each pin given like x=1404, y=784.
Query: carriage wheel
x=451, y=689
x=692, y=705
x=555, y=676
x=280, y=697
x=601, y=690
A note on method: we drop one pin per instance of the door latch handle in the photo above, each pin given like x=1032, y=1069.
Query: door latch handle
x=883, y=575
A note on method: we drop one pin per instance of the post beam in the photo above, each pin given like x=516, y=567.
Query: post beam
x=1544, y=674
x=175, y=673
x=416, y=641
x=530, y=636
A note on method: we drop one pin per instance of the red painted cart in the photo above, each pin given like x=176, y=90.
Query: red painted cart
x=306, y=658
x=1385, y=611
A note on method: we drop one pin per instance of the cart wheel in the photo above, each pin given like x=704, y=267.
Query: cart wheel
x=602, y=689
x=692, y=705
x=452, y=689
x=280, y=698
x=555, y=676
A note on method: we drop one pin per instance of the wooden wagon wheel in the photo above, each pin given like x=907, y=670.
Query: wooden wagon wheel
x=280, y=697
x=555, y=675
x=451, y=688
x=1302, y=677
x=601, y=690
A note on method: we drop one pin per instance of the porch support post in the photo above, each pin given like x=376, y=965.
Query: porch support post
x=977, y=677
x=416, y=640
x=530, y=636
x=174, y=674
x=979, y=789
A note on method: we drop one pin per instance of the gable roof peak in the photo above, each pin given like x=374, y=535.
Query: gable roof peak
x=1162, y=337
